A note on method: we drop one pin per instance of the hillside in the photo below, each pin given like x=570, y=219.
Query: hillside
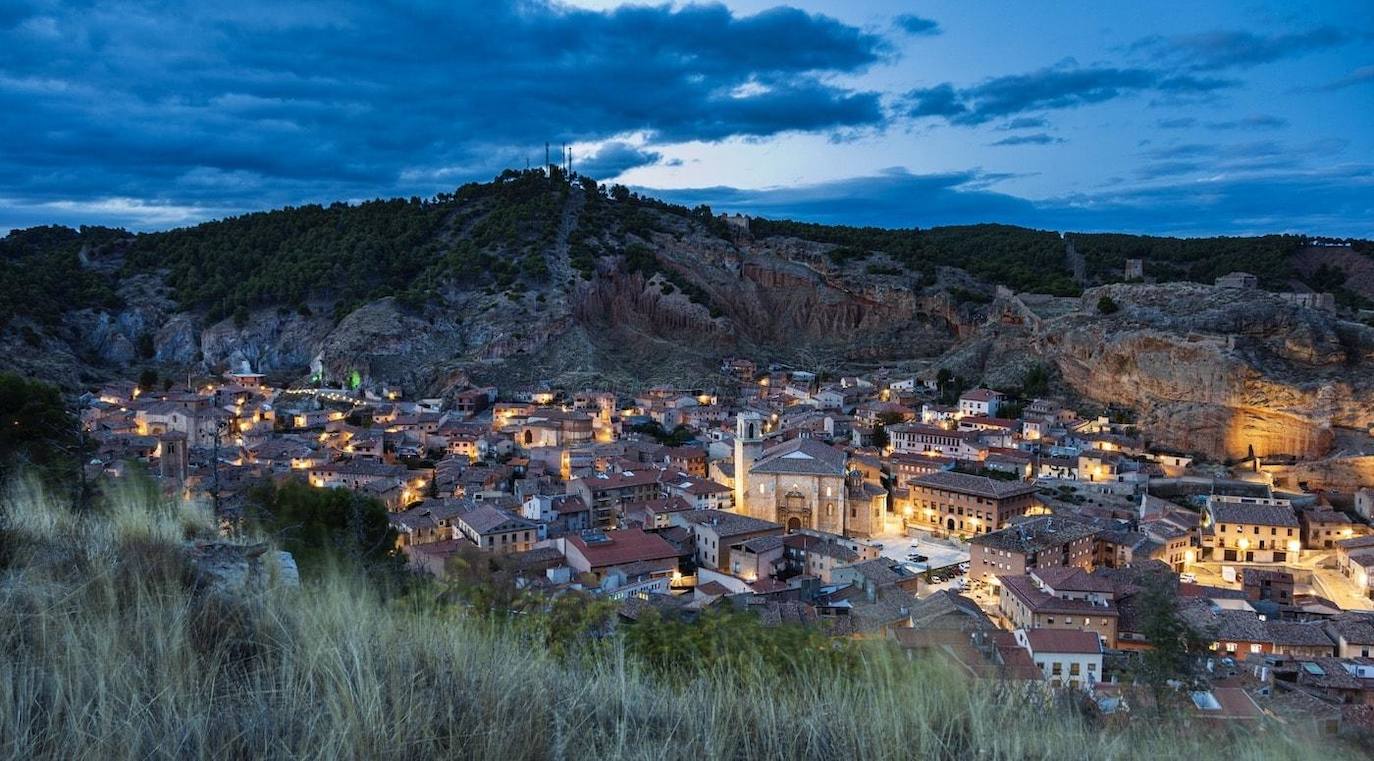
x=134, y=633
x=533, y=277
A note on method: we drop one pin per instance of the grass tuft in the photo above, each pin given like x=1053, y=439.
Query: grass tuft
x=110, y=649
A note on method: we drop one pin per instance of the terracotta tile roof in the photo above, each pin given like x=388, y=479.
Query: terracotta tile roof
x=1038, y=601
x=621, y=547
x=1356, y=628
x=1250, y=515
x=1072, y=579
x=1036, y=534
x=726, y=524
x=1311, y=634
x=946, y=609
x=980, y=486
x=802, y=456
x=486, y=520
x=980, y=395
x=1063, y=641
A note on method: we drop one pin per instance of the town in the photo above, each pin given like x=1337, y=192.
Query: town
x=1011, y=534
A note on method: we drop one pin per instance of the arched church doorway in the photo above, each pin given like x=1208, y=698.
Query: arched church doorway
x=793, y=525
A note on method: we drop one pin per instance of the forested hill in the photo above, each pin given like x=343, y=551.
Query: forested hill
x=497, y=235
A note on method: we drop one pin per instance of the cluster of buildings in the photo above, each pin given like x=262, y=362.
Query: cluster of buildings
x=1012, y=535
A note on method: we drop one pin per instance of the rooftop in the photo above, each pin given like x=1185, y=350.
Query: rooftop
x=613, y=548
x=802, y=457
x=485, y=520
x=1063, y=641
x=1036, y=534
x=978, y=486
x=726, y=524
x=1249, y=514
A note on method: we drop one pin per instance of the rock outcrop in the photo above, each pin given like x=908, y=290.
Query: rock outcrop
x=236, y=570
x=1218, y=371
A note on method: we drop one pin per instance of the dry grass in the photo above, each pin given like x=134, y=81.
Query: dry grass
x=106, y=653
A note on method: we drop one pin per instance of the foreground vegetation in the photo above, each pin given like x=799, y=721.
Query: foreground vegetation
x=110, y=648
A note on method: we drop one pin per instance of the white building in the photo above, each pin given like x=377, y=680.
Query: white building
x=1067, y=657
x=980, y=401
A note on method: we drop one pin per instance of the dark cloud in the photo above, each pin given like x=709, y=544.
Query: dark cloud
x=1211, y=51
x=258, y=103
x=941, y=100
x=1050, y=89
x=614, y=158
x=1039, y=138
x=1332, y=202
x=916, y=26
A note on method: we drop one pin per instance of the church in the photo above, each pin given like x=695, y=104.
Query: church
x=803, y=484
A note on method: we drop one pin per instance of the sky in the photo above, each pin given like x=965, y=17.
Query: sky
x=1172, y=118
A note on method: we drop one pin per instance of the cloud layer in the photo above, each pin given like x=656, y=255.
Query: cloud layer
x=1238, y=205
x=1050, y=89
x=151, y=114
x=259, y=103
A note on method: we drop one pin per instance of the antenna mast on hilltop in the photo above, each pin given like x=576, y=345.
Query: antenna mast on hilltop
x=546, y=157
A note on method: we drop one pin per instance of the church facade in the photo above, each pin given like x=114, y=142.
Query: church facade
x=803, y=483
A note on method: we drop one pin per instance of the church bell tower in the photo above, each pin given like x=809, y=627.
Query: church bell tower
x=748, y=445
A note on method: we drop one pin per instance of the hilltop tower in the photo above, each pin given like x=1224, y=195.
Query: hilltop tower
x=748, y=446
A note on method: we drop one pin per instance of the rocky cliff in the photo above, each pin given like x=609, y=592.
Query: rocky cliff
x=1218, y=371
x=653, y=293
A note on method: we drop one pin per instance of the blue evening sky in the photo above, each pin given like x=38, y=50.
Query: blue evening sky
x=1166, y=117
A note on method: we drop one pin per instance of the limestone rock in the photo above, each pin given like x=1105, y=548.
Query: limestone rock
x=239, y=569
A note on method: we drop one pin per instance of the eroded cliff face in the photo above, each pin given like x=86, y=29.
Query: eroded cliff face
x=1221, y=372
x=775, y=296
x=1217, y=371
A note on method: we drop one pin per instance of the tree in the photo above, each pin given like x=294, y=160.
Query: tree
x=147, y=380
x=880, y=437
x=37, y=430
x=1175, y=645
x=318, y=526
x=1106, y=305
x=1036, y=381
x=950, y=388
x=146, y=347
